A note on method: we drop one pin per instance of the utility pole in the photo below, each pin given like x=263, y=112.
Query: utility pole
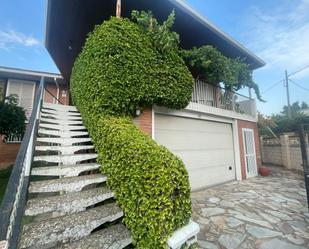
x=288, y=94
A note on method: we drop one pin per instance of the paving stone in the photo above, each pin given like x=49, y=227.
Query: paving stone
x=297, y=241
x=232, y=222
x=214, y=199
x=280, y=244
x=268, y=212
x=212, y=211
x=284, y=227
x=231, y=241
x=206, y=245
x=279, y=215
x=260, y=232
x=258, y=222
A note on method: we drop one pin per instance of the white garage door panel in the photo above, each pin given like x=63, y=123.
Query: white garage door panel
x=194, y=159
x=183, y=140
x=199, y=180
x=205, y=147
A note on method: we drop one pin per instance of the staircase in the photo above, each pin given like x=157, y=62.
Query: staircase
x=69, y=204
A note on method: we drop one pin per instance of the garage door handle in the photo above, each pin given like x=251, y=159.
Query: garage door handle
x=230, y=167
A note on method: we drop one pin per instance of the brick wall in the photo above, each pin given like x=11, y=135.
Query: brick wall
x=8, y=153
x=144, y=121
x=249, y=125
x=63, y=93
x=272, y=154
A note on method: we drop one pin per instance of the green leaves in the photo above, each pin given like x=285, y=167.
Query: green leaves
x=207, y=63
x=118, y=72
x=12, y=117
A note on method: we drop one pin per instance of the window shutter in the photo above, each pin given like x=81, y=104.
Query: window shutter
x=25, y=92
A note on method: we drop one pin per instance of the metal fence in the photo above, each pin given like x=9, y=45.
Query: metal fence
x=210, y=95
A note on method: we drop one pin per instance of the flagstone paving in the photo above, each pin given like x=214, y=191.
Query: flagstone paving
x=261, y=213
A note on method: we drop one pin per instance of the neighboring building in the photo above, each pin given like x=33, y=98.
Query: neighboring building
x=24, y=83
x=216, y=134
x=305, y=111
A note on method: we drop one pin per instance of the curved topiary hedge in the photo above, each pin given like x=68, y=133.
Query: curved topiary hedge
x=117, y=72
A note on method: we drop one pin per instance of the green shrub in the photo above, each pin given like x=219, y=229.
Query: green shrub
x=117, y=72
x=120, y=71
x=12, y=117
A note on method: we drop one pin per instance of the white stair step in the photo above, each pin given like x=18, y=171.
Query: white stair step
x=69, y=227
x=60, y=117
x=61, y=122
x=63, y=141
x=114, y=237
x=68, y=184
x=68, y=203
x=59, y=107
x=63, y=134
x=61, y=113
x=62, y=127
x=65, y=150
x=64, y=170
x=66, y=159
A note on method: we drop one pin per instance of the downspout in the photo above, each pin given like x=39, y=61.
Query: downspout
x=58, y=90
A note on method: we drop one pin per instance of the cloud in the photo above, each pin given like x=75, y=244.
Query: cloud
x=280, y=35
x=12, y=39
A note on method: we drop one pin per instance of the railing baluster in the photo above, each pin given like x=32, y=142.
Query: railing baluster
x=210, y=95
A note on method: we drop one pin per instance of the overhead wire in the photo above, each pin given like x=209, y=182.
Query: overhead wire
x=300, y=86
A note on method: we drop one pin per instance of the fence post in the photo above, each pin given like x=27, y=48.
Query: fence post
x=262, y=148
x=285, y=151
x=304, y=154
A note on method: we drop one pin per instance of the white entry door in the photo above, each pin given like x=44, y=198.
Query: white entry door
x=250, y=155
x=206, y=148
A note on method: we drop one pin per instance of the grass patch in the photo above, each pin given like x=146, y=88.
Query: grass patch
x=4, y=178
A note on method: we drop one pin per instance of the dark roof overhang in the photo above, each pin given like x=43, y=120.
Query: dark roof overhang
x=69, y=21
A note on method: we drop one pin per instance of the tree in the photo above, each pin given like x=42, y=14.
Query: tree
x=296, y=108
x=12, y=117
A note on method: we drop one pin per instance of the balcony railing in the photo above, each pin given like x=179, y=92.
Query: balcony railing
x=205, y=94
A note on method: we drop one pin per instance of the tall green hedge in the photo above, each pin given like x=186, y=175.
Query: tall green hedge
x=117, y=72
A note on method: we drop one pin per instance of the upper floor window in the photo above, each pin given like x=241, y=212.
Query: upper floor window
x=25, y=91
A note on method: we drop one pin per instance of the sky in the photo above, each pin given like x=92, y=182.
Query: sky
x=275, y=30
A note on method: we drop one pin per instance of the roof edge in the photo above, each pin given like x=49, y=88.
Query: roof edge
x=30, y=72
x=190, y=10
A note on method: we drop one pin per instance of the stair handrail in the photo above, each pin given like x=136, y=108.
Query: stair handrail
x=14, y=201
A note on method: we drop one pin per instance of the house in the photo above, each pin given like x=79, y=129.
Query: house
x=216, y=134
x=24, y=84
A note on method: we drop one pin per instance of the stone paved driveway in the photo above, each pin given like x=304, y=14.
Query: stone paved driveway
x=262, y=212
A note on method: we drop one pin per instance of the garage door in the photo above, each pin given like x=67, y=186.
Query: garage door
x=206, y=147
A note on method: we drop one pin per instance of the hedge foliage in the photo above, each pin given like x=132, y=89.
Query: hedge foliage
x=117, y=72
x=128, y=72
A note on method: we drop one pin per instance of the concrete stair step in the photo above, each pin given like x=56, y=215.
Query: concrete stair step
x=68, y=184
x=66, y=159
x=63, y=141
x=60, y=117
x=62, y=127
x=61, y=122
x=63, y=134
x=58, y=107
x=114, y=237
x=61, y=112
x=68, y=203
x=66, y=228
x=64, y=170
x=65, y=150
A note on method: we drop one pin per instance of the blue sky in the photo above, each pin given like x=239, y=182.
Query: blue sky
x=277, y=31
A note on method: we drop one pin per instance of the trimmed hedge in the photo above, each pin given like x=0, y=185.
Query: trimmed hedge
x=117, y=72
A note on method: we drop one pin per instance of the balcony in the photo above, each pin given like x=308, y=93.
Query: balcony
x=212, y=99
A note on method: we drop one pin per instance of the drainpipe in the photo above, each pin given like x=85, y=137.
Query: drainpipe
x=58, y=91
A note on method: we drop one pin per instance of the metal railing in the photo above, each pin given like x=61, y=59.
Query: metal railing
x=210, y=95
x=13, y=203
